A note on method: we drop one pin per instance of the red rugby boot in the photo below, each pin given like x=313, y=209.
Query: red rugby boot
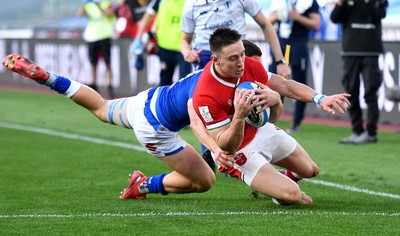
x=136, y=181
x=25, y=67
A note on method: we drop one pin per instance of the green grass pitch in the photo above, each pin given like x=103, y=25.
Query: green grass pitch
x=58, y=178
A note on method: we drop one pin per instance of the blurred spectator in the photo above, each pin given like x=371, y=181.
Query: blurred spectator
x=328, y=31
x=200, y=19
x=129, y=14
x=98, y=35
x=361, y=46
x=294, y=20
x=168, y=34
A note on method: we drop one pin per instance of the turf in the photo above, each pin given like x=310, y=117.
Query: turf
x=52, y=185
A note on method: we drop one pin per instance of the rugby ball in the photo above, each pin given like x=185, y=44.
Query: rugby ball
x=254, y=119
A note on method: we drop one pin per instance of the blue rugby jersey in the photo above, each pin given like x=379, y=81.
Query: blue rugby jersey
x=168, y=104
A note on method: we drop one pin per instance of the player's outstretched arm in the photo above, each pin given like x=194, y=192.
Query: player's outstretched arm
x=302, y=92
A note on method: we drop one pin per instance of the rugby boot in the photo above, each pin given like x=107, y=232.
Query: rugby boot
x=136, y=182
x=25, y=67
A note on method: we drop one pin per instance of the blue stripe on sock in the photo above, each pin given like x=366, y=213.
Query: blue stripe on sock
x=120, y=112
x=111, y=111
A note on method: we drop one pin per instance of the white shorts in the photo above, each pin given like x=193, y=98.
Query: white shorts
x=158, y=140
x=270, y=145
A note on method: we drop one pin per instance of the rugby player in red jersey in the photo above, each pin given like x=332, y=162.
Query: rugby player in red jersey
x=256, y=150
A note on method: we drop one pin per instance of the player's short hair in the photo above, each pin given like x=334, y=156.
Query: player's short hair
x=251, y=49
x=223, y=37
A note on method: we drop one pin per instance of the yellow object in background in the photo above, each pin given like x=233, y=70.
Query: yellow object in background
x=287, y=53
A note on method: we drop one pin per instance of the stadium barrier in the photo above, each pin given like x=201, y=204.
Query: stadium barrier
x=68, y=57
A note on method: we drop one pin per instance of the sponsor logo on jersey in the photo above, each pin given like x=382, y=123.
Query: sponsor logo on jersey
x=223, y=24
x=230, y=102
x=205, y=113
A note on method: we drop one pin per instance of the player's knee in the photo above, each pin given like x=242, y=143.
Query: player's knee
x=314, y=171
x=311, y=172
x=205, y=183
x=100, y=114
x=102, y=118
x=291, y=195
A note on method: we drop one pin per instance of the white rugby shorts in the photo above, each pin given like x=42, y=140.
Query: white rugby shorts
x=270, y=145
x=161, y=142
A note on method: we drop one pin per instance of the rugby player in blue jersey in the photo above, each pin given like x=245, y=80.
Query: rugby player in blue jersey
x=155, y=115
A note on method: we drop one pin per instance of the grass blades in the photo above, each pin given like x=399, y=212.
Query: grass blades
x=52, y=185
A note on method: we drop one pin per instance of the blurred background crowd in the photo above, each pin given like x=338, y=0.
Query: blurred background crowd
x=58, y=17
x=51, y=32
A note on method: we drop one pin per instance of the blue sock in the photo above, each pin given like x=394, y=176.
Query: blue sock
x=155, y=184
x=61, y=84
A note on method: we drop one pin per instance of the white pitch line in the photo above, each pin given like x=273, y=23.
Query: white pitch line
x=140, y=148
x=71, y=136
x=155, y=214
x=353, y=189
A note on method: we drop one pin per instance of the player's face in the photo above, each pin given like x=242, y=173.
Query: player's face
x=230, y=60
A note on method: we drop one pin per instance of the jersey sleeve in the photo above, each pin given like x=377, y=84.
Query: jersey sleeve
x=187, y=20
x=314, y=7
x=264, y=76
x=251, y=7
x=152, y=7
x=211, y=114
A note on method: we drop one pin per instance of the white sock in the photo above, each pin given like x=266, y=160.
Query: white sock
x=51, y=79
x=73, y=88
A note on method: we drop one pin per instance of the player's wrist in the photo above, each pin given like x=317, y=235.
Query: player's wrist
x=281, y=62
x=317, y=98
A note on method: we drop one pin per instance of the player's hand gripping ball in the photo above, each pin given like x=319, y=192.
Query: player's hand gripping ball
x=254, y=119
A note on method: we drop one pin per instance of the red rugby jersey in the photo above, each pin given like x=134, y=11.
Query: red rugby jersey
x=214, y=94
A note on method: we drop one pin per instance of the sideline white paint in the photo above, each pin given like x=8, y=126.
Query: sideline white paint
x=352, y=188
x=150, y=214
x=71, y=136
x=139, y=148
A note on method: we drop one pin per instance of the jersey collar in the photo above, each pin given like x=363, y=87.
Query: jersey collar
x=222, y=80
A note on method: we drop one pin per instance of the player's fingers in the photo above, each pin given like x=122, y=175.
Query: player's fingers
x=251, y=96
x=200, y=51
x=192, y=56
x=230, y=158
x=341, y=103
x=329, y=109
x=246, y=96
x=340, y=106
x=224, y=163
x=261, y=85
x=241, y=94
